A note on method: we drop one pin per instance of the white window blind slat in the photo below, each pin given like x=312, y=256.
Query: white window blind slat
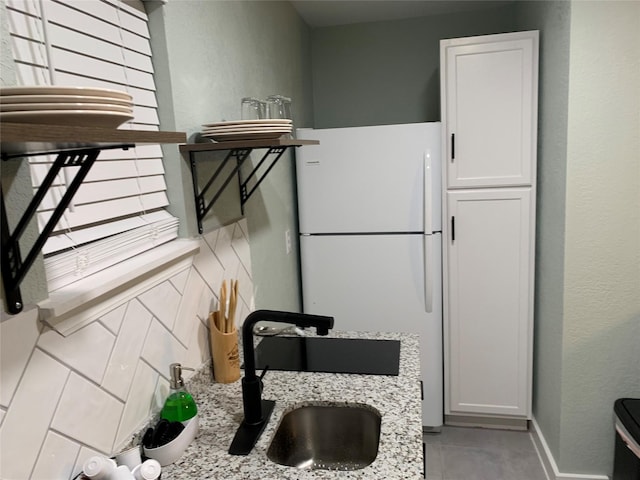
x=67, y=267
x=79, y=64
x=22, y=6
x=60, y=14
x=140, y=96
x=96, y=192
x=83, y=236
x=28, y=52
x=88, y=214
x=64, y=38
x=103, y=170
x=129, y=18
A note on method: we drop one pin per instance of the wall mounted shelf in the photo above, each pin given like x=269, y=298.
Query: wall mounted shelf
x=240, y=150
x=73, y=147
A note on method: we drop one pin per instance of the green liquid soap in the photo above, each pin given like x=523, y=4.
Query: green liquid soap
x=179, y=407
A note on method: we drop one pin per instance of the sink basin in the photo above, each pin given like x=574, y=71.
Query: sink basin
x=327, y=437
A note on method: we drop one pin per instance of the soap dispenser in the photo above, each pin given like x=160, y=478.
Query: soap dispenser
x=179, y=406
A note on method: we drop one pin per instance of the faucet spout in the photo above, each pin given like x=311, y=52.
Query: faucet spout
x=257, y=411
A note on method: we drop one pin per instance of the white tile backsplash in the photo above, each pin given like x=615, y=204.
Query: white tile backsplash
x=161, y=348
x=163, y=301
x=210, y=269
x=70, y=398
x=26, y=423
x=126, y=353
x=113, y=319
x=86, y=351
x=57, y=458
x=87, y=413
x=189, y=306
x=18, y=336
x=139, y=403
x=180, y=280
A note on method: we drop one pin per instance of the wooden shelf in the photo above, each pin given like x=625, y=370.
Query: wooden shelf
x=17, y=138
x=251, y=144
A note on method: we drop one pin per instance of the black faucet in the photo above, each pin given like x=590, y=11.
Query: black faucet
x=257, y=411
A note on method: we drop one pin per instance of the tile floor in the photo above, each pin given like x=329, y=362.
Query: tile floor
x=458, y=453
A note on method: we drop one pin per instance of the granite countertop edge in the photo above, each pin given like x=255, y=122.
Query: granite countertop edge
x=397, y=398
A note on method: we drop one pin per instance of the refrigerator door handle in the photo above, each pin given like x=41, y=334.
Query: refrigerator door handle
x=428, y=192
x=428, y=273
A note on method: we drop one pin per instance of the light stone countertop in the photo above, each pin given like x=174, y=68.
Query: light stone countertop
x=220, y=413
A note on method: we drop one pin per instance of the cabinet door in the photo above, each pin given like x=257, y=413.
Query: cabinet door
x=489, y=302
x=489, y=90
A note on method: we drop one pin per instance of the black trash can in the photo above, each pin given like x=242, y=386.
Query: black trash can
x=626, y=463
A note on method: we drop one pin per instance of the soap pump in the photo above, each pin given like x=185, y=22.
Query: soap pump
x=179, y=406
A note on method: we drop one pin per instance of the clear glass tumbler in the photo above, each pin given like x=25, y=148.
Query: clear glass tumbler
x=279, y=107
x=253, y=109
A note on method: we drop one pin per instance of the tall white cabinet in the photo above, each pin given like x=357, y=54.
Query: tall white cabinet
x=489, y=95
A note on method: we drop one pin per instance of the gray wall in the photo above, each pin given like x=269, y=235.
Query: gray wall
x=601, y=359
x=553, y=21
x=213, y=54
x=388, y=72
x=587, y=320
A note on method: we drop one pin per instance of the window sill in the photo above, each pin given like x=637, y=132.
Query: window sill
x=75, y=306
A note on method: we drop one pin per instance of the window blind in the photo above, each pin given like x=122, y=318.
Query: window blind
x=118, y=212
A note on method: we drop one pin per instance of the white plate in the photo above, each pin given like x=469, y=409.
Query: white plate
x=59, y=90
x=24, y=107
x=82, y=118
x=225, y=137
x=281, y=131
x=247, y=130
x=284, y=121
x=265, y=126
x=63, y=99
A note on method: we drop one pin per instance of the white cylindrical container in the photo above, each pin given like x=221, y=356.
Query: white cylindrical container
x=130, y=458
x=122, y=473
x=148, y=470
x=99, y=468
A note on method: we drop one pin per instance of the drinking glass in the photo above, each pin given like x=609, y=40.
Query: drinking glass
x=253, y=109
x=279, y=107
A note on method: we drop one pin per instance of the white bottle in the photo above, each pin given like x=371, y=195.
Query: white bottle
x=99, y=468
x=148, y=470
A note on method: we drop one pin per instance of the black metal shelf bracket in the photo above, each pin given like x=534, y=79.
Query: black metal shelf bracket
x=245, y=193
x=240, y=154
x=14, y=268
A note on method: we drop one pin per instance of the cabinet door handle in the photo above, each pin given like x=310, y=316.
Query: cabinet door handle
x=453, y=146
x=453, y=229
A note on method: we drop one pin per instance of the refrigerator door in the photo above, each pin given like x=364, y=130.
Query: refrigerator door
x=369, y=179
x=378, y=283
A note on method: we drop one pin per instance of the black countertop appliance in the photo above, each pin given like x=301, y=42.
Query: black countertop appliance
x=626, y=464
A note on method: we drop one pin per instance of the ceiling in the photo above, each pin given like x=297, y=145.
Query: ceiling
x=324, y=13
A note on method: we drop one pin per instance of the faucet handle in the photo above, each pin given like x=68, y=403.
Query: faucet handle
x=264, y=372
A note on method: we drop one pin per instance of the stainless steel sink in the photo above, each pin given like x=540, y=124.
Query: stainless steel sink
x=327, y=437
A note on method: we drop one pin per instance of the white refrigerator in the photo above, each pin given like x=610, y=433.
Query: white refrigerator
x=369, y=202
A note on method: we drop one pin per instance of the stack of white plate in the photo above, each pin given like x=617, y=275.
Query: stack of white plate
x=265, y=129
x=74, y=106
